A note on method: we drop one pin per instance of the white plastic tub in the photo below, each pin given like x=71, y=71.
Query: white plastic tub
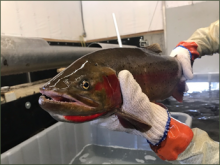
x=62, y=142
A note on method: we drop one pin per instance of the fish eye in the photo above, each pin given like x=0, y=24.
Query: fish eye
x=85, y=84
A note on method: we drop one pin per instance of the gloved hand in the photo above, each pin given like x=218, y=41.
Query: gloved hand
x=137, y=104
x=204, y=41
x=183, y=55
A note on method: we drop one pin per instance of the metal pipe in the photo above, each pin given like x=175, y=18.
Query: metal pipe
x=22, y=55
x=106, y=46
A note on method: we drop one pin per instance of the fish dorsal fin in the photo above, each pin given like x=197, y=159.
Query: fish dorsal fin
x=154, y=47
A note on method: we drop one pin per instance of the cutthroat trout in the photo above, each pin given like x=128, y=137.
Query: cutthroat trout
x=89, y=88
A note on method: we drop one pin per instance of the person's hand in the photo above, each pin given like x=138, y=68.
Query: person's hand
x=183, y=56
x=137, y=105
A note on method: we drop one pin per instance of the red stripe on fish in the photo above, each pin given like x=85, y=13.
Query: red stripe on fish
x=112, y=87
x=83, y=118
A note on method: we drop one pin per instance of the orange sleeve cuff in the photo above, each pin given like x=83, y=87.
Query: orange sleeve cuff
x=192, y=47
x=178, y=138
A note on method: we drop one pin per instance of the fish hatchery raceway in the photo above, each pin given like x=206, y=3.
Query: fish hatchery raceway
x=202, y=107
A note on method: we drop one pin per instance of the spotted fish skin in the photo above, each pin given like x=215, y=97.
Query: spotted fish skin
x=159, y=77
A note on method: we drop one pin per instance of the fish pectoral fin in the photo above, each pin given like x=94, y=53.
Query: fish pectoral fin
x=154, y=47
x=132, y=122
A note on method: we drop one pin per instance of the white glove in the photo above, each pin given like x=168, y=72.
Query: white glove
x=137, y=104
x=207, y=40
x=183, y=56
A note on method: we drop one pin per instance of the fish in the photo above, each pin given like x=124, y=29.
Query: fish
x=89, y=87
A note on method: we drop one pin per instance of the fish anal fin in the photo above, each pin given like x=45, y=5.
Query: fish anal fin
x=179, y=91
x=132, y=122
x=154, y=47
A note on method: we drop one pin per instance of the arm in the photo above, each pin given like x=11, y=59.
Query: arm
x=204, y=41
x=207, y=39
x=170, y=139
x=177, y=150
x=201, y=150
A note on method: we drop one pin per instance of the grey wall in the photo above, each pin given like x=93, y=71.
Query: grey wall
x=181, y=22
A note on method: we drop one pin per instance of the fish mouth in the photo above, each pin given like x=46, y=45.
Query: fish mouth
x=66, y=108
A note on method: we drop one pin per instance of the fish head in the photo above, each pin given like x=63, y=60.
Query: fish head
x=82, y=92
